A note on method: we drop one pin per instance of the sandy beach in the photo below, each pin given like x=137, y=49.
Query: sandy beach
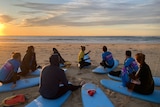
x=69, y=52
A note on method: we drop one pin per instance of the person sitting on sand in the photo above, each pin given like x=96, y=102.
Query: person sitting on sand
x=142, y=82
x=8, y=72
x=29, y=63
x=81, y=59
x=63, y=63
x=107, y=58
x=130, y=66
x=51, y=78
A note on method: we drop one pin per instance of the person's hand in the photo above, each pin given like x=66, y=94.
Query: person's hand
x=13, y=86
x=89, y=52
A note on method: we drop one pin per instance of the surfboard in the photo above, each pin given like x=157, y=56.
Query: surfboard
x=87, y=58
x=42, y=102
x=156, y=79
x=114, y=77
x=99, y=99
x=117, y=87
x=22, y=83
x=102, y=70
x=37, y=72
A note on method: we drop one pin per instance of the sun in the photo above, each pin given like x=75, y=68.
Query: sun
x=1, y=28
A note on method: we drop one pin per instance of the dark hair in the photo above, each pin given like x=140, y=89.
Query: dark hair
x=128, y=53
x=29, y=49
x=16, y=55
x=83, y=47
x=104, y=48
x=55, y=50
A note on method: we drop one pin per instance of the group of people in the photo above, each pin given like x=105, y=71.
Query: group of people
x=138, y=79
x=9, y=71
x=134, y=77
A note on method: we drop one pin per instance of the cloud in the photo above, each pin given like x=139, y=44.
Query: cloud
x=5, y=19
x=92, y=13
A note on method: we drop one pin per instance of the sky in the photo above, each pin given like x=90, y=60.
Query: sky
x=80, y=17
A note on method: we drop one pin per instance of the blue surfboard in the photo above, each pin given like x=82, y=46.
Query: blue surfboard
x=99, y=99
x=156, y=79
x=87, y=58
x=22, y=83
x=117, y=87
x=37, y=72
x=102, y=70
x=42, y=102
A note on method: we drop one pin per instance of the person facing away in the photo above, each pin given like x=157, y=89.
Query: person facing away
x=55, y=51
x=130, y=66
x=8, y=72
x=29, y=63
x=107, y=58
x=51, y=78
x=81, y=59
x=142, y=82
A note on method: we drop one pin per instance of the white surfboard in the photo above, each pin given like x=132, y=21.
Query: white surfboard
x=102, y=70
x=22, y=83
x=156, y=79
x=99, y=99
x=117, y=87
x=42, y=102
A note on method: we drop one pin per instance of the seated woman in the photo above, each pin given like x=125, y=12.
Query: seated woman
x=51, y=78
x=81, y=59
x=8, y=72
x=107, y=58
x=29, y=63
x=142, y=82
x=63, y=63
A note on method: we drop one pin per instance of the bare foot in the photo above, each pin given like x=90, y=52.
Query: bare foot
x=1, y=84
x=82, y=83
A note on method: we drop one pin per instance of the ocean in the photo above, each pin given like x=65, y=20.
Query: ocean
x=81, y=39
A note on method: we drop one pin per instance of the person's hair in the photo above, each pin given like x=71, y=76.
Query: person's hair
x=128, y=53
x=104, y=48
x=29, y=49
x=55, y=50
x=83, y=47
x=140, y=57
x=16, y=55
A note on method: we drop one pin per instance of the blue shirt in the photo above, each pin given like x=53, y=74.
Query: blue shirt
x=108, y=58
x=8, y=69
x=130, y=66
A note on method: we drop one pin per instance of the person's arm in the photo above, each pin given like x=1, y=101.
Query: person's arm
x=134, y=75
x=87, y=52
x=14, y=79
x=63, y=77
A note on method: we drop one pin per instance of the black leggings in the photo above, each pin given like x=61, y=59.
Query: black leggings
x=63, y=90
x=83, y=64
x=13, y=79
x=103, y=63
x=141, y=89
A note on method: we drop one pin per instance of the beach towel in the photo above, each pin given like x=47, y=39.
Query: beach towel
x=13, y=100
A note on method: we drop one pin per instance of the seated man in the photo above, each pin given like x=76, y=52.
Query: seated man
x=107, y=58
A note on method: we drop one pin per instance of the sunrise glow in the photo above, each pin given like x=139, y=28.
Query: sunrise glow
x=1, y=29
